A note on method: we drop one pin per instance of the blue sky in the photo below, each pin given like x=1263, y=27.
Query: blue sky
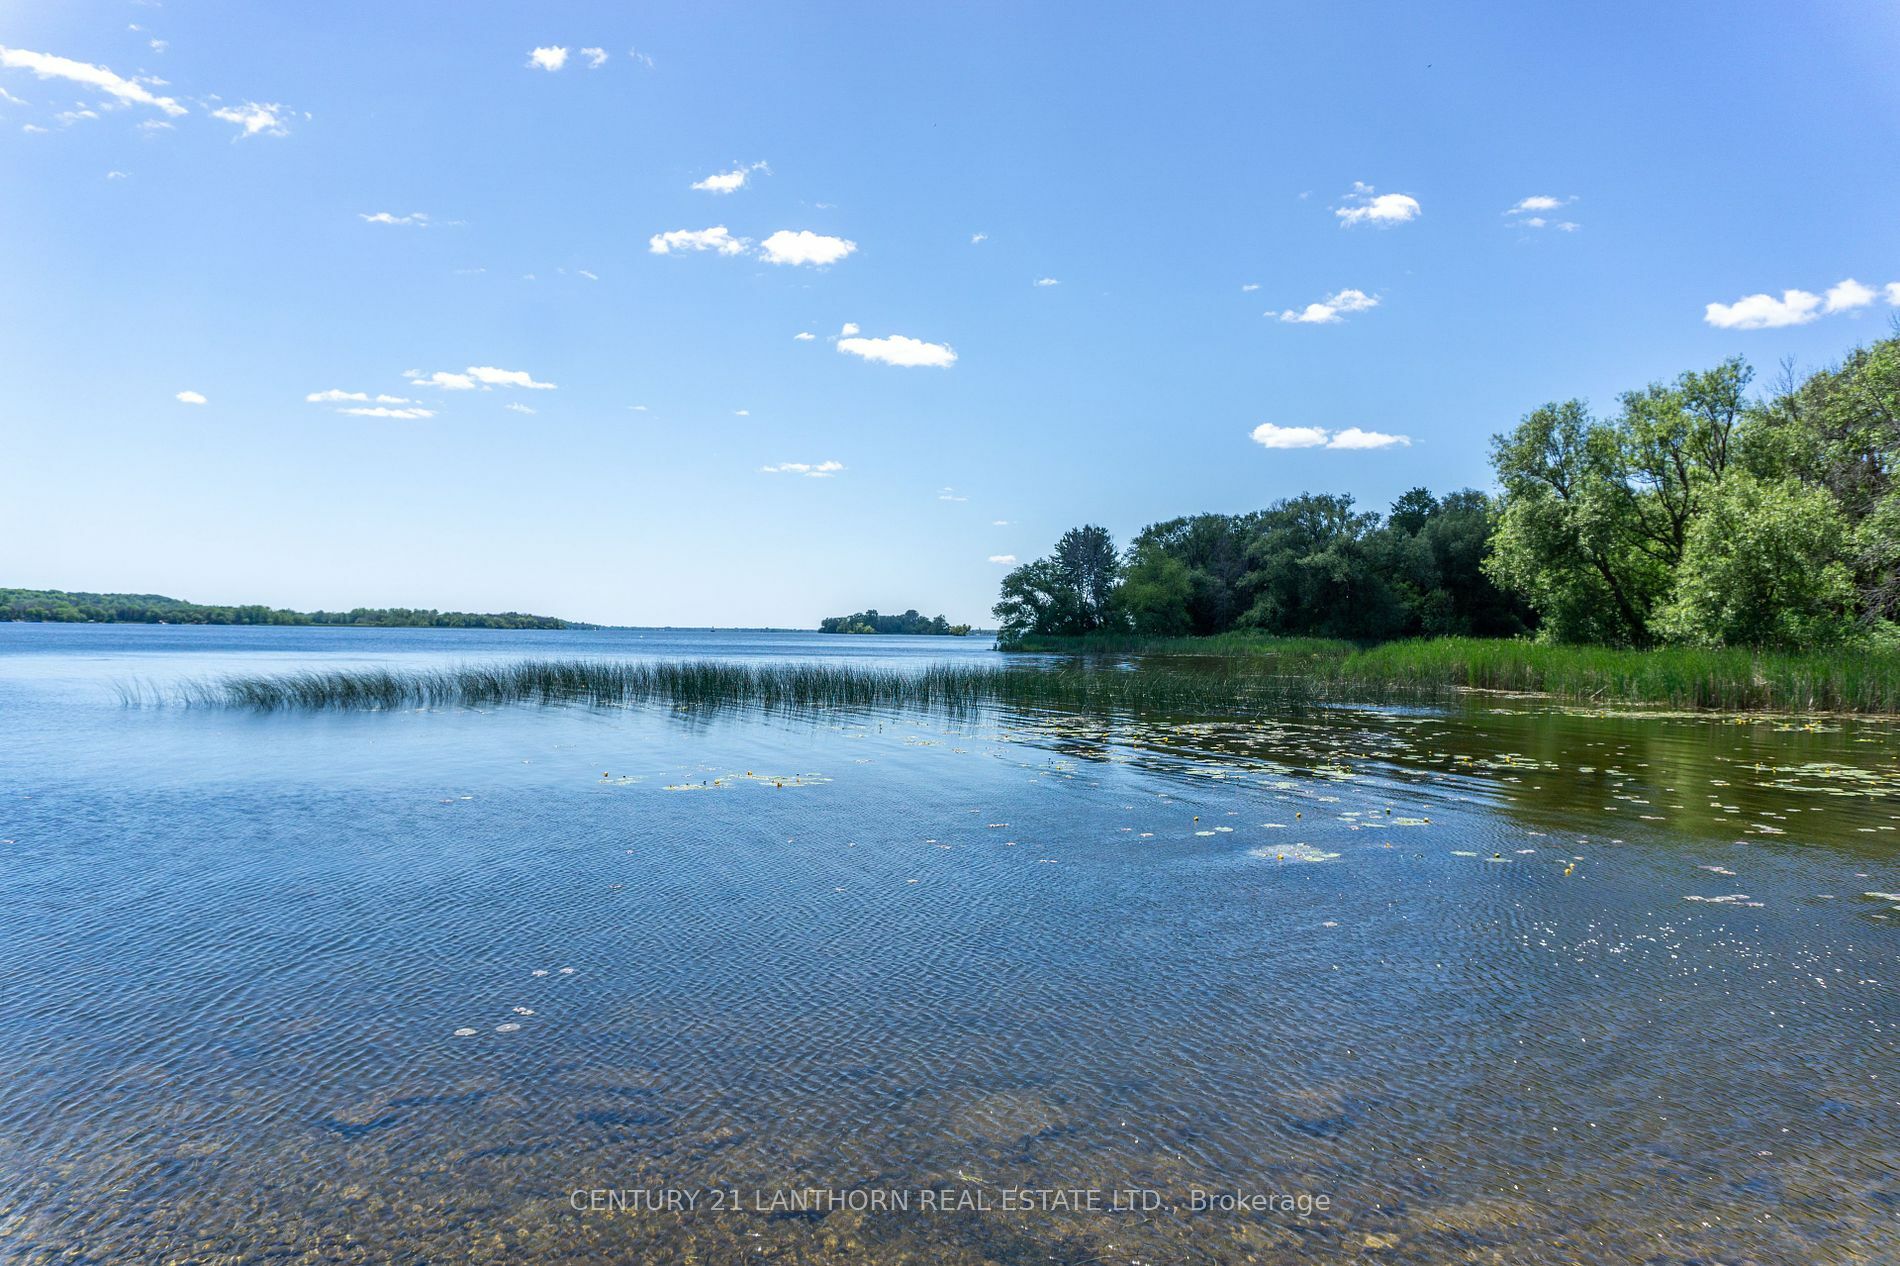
x=1187, y=180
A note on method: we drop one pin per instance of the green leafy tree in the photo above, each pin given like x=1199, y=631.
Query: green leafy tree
x=1763, y=566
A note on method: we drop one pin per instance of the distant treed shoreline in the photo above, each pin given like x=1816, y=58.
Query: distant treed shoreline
x=57, y=606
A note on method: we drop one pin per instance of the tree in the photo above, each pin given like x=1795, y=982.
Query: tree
x=1086, y=565
x=1155, y=592
x=1036, y=599
x=1567, y=539
x=1763, y=566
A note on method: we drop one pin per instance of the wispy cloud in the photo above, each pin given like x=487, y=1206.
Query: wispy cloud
x=804, y=247
x=337, y=396
x=483, y=376
x=515, y=406
x=49, y=66
x=715, y=239
x=189, y=397
x=550, y=59
x=999, y=522
x=729, y=181
x=1267, y=435
x=415, y=219
x=976, y=238
x=1047, y=281
x=384, y=411
x=811, y=470
x=950, y=494
x=1532, y=213
x=1330, y=309
x=1249, y=287
x=596, y=57
x=1006, y=560
x=255, y=118
x=898, y=349
x=804, y=336
x=1365, y=206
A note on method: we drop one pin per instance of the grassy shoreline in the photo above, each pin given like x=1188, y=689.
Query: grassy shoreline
x=1735, y=680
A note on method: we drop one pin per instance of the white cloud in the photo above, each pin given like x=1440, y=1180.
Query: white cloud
x=1764, y=312
x=742, y=413
x=950, y=494
x=729, y=181
x=152, y=127
x=712, y=239
x=9, y=98
x=440, y=378
x=117, y=175
x=1249, y=287
x=1354, y=438
x=999, y=522
x=1381, y=209
x=804, y=247
x=1007, y=560
x=48, y=66
x=31, y=128
x=1267, y=435
x=489, y=376
x=66, y=118
x=638, y=408
x=159, y=46
x=415, y=219
x=978, y=237
x=549, y=59
x=256, y=118
x=1847, y=295
x=811, y=470
x=1528, y=213
x=1328, y=310
x=1893, y=293
x=189, y=397
x=596, y=57
x=850, y=328
x=804, y=336
x=516, y=406
x=897, y=349
x=382, y=411
x=640, y=58
x=336, y=396
x=582, y=272
x=1047, y=281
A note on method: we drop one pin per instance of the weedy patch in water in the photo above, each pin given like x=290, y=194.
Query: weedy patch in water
x=1217, y=689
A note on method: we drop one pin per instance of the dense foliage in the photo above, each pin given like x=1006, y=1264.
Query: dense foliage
x=1309, y=566
x=1694, y=515
x=909, y=622
x=56, y=605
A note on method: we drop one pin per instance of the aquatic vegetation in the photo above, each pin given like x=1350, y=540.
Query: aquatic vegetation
x=1221, y=688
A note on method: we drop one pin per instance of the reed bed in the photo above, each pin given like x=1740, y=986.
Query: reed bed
x=1225, y=687
x=1735, y=680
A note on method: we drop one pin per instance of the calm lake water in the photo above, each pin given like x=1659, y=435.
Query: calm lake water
x=1496, y=981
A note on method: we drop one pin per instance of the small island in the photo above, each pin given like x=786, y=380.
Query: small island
x=869, y=621
x=57, y=606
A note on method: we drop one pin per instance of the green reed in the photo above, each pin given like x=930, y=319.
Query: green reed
x=1222, y=687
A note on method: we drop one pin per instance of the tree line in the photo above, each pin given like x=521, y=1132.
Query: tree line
x=1693, y=514
x=59, y=606
x=909, y=622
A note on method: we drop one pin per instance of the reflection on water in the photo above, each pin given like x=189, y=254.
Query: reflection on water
x=1500, y=983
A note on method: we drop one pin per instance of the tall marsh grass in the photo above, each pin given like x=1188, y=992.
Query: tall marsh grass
x=1676, y=677
x=1735, y=680
x=1224, y=687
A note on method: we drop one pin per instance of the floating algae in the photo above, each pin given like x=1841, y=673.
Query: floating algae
x=1292, y=853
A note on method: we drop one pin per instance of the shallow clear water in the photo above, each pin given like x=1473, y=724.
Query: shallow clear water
x=1499, y=981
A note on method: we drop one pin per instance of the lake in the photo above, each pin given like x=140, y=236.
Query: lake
x=1481, y=980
